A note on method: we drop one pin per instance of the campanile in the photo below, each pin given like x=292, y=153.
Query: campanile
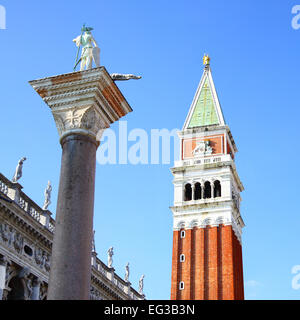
x=207, y=224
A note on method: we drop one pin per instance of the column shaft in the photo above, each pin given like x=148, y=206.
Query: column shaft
x=35, y=295
x=2, y=276
x=70, y=272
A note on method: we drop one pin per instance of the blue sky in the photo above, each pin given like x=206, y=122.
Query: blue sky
x=255, y=63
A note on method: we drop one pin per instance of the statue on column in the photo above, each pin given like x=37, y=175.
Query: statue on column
x=127, y=273
x=110, y=254
x=141, y=285
x=89, y=53
x=47, y=194
x=119, y=76
x=18, y=173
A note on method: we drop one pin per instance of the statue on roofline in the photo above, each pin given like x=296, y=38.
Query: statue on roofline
x=47, y=194
x=127, y=272
x=18, y=172
x=141, y=285
x=110, y=254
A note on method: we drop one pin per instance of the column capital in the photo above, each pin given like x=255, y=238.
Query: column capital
x=84, y=102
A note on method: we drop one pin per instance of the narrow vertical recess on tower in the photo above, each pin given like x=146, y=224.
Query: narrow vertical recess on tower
x=206, y=264
x=220, y=265
x=192, y=266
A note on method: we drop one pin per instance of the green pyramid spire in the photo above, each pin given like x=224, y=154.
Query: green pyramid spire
x=204, y=113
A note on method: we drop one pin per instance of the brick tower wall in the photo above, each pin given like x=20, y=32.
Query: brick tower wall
x=212, y=269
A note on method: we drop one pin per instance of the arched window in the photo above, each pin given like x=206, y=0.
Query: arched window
x=182, y=234
x=181, y=285
x=207, y=190
x=197, y=191
x=188, y=192
x=217, y=189
x=182, y=258
x=17, y=289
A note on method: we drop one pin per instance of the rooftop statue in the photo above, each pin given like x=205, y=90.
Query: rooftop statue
x=18, y=172
x=47, y=194
x=141, y=285
x=110, y=254
x=88, y=53
x=127, y=272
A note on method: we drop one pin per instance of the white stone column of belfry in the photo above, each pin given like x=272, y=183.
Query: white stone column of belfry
x=202, y=189
x=2, y=275
x=212, y=188
x=83, y=105
x=193, y=191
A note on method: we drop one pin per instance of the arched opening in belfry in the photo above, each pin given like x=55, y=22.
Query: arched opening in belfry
x=207, y=190
x=17, y=289
x=197, y=191
x=188, y=192
x=217, y=189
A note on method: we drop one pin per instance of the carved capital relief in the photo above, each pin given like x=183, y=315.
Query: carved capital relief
x=85, y=120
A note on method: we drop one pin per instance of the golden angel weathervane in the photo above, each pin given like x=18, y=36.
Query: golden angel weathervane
x=206, y=60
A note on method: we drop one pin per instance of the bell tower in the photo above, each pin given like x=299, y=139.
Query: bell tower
x=207, y=224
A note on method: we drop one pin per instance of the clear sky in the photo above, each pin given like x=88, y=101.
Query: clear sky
x=255, y=64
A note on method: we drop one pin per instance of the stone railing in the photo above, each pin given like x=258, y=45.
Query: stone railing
x=3, y=187
x=115, y=280
x=15, y=193
x=203, y=161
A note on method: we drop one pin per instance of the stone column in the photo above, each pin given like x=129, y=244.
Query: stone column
x=202, y=189
x=212, y=184
x=193, y=191
x=36, y=284
x=83, y=105
x=2, y=275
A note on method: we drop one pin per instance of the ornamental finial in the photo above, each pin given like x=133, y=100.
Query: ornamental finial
x=206, y=59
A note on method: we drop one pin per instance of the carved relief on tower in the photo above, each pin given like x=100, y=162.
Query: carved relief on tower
x=202, y=146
